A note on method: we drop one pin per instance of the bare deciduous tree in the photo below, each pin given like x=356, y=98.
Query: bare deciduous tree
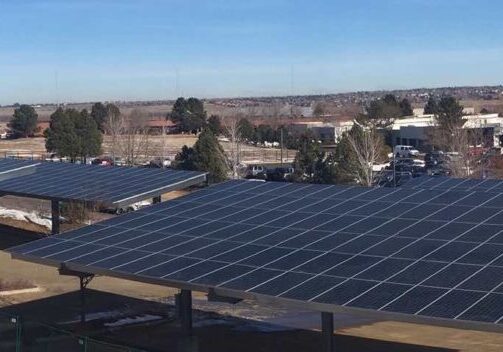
x=129, y=136
x=463, y=143
x=114, y=127
x=231, y=125
x=367, y=145
x=134, y=143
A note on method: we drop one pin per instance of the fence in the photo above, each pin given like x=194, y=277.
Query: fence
x=17, y=335
x=247, y=155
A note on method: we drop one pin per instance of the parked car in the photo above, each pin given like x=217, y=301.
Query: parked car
x=439, y=170
x=103, y=161
x=435, y=158
x=127, y=208
x=159, y=163
x=254, y=170
x=55, y=158
x=279, y=174
x=405, y=151
x=438, y=163
x=414, y=167
x=389, y=178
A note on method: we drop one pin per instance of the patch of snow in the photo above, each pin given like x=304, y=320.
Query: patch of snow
x=20, y=215
x=20, y=291
x=135, y=320
x=95, y=316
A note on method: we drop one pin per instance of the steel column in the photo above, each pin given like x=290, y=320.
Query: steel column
x=327, y=331
x=55, y=216
x=186, y=311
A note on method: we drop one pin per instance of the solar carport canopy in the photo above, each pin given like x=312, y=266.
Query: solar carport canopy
x=415, y=254
x=90, y=183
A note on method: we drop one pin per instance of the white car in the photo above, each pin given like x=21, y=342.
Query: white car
x=133, y=207
x=405, y=151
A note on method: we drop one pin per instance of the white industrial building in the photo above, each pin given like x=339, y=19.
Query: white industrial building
x=414, y=130
x=325, y=132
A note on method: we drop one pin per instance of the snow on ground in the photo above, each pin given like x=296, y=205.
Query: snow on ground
x=20, y=215
x=95, y=316
x=134, y=320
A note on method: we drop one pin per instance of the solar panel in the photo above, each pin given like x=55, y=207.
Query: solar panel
x=92, y=183
x=445, y=183
x=322, y=246
x=11, y=168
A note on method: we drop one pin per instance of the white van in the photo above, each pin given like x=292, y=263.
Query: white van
x=405, y=151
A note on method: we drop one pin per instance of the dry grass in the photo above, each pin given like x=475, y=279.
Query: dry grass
x=168, y=146
x=15, y=284
x=25, y=225
x=153, y=111
x=491, y=105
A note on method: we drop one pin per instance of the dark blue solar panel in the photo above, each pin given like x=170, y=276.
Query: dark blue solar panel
x=379, y=296
x=251, y=279
x=441, y=183
x=486, y=309
x=428, y=252
x=312, y=287
x=345, y=291
x=414, y=300
x=485, y=280
x=384, y=269
x=281, y=283
x=452, y=304
x=452, y=275
x=417, y=272
x=450, y=231
x=224, y=274
x=64, y=181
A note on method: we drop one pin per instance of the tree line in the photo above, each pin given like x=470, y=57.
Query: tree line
x=79, y=135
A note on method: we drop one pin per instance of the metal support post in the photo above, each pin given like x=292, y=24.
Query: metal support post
x=55, y=216
x=84, y=281
x=327, y=331
x=186, y=311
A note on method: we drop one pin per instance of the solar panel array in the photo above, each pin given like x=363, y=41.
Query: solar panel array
x=12, y=167
x=92, y=183
x=460, y=184
x=419, y=252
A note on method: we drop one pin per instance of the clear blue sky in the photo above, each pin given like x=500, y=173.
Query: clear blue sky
x=88, y=50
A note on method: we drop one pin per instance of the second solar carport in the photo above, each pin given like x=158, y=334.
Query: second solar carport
x=410, y=255
x=90, y=184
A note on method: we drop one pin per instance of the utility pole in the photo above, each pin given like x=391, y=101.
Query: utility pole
x=281, y=142
x=164, y=144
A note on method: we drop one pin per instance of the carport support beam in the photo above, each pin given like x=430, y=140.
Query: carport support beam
x=186, y=311
x=156, y=200
x=55, y=216
x=84, y=280
x=327, y=331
